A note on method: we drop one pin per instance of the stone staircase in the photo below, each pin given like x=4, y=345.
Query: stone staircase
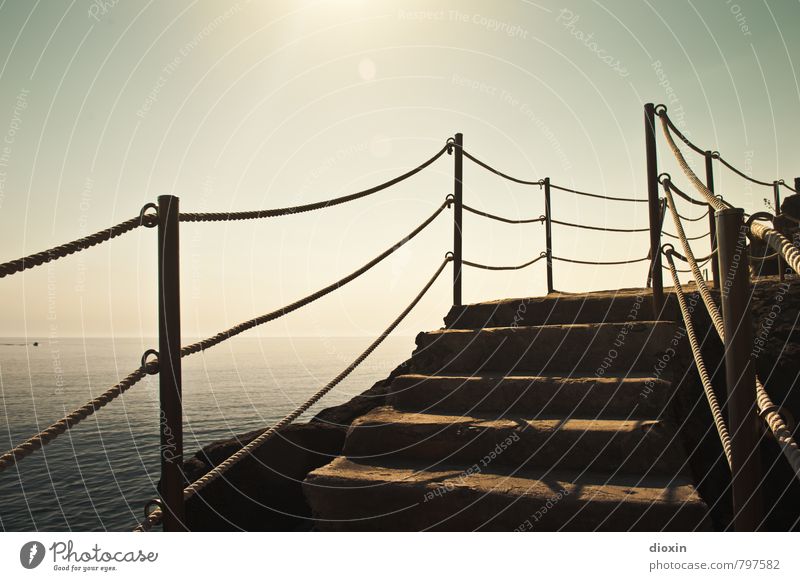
x=528, y=414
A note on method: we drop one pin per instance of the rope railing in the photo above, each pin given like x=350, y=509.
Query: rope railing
x=216, y=472
x=767, y=409
x=661, y=111
x=708, y=388
x=517, y=267
x=497, y=172
x=600, y=228
x=777, y=242
x=260, y=320
x=601, y=263
x=33, y=260
x=702, y=216
x=540, y=219
x=256, y=214
x=700, y=237
x=50, y=433
x=599, y=196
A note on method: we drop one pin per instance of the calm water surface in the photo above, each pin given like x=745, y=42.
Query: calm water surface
x=97, y=475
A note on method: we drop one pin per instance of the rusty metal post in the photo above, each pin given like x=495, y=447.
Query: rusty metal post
x=656, y=276
x=739, y=369
x=457, y=217
x=712, y=222
x=548, y=235
x=169, y=362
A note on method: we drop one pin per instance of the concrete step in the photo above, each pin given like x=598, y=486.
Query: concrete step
x=601, y=348
x=559, y=309
x=625, y=395
x=627, y=446
x=349, y=496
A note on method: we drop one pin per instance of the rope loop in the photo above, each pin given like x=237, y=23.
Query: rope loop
x=157, y=502
x=667, y=249
x=449, y=200
x=664, y=177
x=449, y=256
x=715, y=154
x=762, y=216
x=660, y=109
x=150, y=368
x=450, y=144
x=149, y=220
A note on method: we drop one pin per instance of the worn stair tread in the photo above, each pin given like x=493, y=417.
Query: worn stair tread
x=635, y=394
x=606, y=347
x=394, y=496
x=636, y=446
x=558, y=308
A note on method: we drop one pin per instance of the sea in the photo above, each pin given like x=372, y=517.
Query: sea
x=98, y=475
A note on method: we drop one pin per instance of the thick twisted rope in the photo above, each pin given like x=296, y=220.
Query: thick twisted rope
x=518, y=267
x=599, y=196
x=777, y=242
x=50, y=433
x=499, y=173
x=260, y=320
x=600, y=228
x=247, y=450
x=767, y=409
x=256, y=214
x=27, y=262
x=598, y=263
x=500, y=218
x=708, y=388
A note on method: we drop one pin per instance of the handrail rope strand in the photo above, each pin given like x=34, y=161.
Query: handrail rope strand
x=709, y=196
x=779, y=243
x=518, y=267
x=224, y=466
x=50, y=433
x=716, y=155
x=499, y=173
x=766, y=407
x=689, y=198
x=601, y=228
x=27, y=262
x=260, y=320
x=705, y=215
x=256, y=214
x=671, y=235
x=580, y=193
x=500, y=218
x=598, y=263
x=708, y=388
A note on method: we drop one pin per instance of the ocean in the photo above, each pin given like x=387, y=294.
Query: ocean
x=98, y=475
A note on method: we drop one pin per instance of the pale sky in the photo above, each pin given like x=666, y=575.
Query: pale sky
x=104, y=105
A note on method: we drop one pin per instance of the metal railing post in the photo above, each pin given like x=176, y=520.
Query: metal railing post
x=656, y=276
x=776, y=196
x=739, y=369
x=169, y=362
x=712, y=221
x=457, y=215
x=548, y=235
